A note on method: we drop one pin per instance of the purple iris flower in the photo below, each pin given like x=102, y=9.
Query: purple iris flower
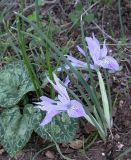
x=64, y=104
x=98, y=55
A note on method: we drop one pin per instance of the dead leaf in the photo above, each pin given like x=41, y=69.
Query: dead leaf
x=77, y=144
x=2, y=151
x=50, y=154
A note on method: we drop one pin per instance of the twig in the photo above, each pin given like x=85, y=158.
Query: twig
x=44, y=2
x=103, y=32
x=85, y=12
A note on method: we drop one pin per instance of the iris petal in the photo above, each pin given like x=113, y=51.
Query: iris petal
x=81, y=50
x=48, y=117
x=76, y=109
x=109, y=63
x=103, y=51
x=75, y=62
x=94, y=48
x=44, y=98
x=67, y=81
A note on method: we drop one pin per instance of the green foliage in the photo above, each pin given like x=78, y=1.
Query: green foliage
x=3, y=48
x=108, y=2
x=40, y=2
x=32, y=17
x=61, y=129
x=89, y=18
x=76, y=14
x=16, y=128
x=121, y=46
x=14, y=83
x=97, y=117
x=43, y=78
x=17, y=125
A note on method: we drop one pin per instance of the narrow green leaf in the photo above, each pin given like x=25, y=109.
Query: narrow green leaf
x=32, y=17
x=124, y=153
x=106, y=107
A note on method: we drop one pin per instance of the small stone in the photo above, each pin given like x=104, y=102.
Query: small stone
x=103, y=154
x=121, y=103
x=117, y=136
x=110, y=51
x=65, y=145
x=77, y=144
x=120, y=146
x=50, y=154
x=2, y=151
x=19, y=155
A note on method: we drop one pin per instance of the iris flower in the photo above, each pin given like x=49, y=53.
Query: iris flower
x=98, y=55
x=64, y=104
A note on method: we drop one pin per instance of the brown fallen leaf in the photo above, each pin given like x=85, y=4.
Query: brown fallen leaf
x=128, y=4
x=77, y=144
x=50, y=154
x=19, y=155
x=2, y=151
x=89, y=128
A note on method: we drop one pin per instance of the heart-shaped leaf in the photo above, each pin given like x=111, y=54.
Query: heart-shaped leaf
x=16, y=128
x=61, y=129
x=14, y=83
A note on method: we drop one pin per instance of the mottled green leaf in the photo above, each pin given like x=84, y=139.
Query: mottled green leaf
x=14, y=83
x=76, y=14
x=89, y=18
x=61, y=129
x=16, y=128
